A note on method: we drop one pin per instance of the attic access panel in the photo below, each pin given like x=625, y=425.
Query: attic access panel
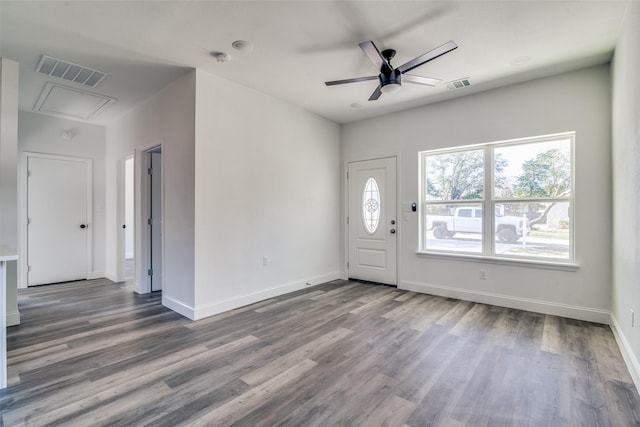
x=71, y=103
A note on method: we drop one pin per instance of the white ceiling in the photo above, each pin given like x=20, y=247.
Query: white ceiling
x=143, y=45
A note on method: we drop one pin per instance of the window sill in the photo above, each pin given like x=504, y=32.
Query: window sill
x=544, y=264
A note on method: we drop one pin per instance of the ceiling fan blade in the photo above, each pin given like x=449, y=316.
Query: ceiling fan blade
x=428, y=81
x=376, y=94
x=374, y=55
x=429, y=56
x=357, y=79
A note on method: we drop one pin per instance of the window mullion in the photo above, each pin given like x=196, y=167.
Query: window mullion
x=488, y=218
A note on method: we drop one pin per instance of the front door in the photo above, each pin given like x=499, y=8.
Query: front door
x=57, y=219
x=372, y=226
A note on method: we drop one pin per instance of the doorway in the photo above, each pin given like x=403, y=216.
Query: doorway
x=154, y=218
x=129, y=223
x=372, y=227
x=58, y=223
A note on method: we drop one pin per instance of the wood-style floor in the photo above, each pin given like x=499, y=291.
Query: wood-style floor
x=340, y=354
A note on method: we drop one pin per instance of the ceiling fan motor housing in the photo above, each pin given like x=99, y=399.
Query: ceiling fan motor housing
x=392, y=77
x=388, y=54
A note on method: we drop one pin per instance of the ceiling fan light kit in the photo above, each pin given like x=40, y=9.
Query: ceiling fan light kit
x=390, y=88
x=390, y=78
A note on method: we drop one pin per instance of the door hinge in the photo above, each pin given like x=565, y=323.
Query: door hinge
x=347, y=175
x=150, y=272
x=347, y=220
x=347, y=265
x=28, y=221
x=149, y=221
x=28, y=268
x=150, y=171
x=28, y=174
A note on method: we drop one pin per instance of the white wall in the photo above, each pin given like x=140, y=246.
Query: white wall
x=267, y=185
x=9, y=72
x=42, y=134
x=167, y=119
x=577, y=101
x=626, y=190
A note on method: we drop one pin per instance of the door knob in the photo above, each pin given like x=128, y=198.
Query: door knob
x=393, y=231
x=83, y=226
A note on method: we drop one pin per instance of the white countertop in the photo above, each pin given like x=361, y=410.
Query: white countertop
x=7, y=253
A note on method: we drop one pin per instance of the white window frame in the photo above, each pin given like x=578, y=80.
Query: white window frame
x=489, y=203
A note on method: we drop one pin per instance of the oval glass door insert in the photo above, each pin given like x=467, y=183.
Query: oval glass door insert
x=371, y=205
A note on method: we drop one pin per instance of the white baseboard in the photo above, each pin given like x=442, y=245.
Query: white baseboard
x=564, y=310
x=178, y=307
x=13, y=318
x=111, y=276
x=242, y=300
x=97, y=275
x=627, y=353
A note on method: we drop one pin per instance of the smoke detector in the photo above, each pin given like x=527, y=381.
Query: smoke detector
x=221, y=56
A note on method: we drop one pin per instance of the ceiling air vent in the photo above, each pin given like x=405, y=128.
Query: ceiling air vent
x=69, y=71
x=457, y=84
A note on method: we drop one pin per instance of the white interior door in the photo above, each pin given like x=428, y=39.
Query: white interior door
x=156, y=220
x=372, y=221
x=129, y=225
x=58, y=220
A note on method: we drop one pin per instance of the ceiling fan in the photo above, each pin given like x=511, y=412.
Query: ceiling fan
x=391, y=78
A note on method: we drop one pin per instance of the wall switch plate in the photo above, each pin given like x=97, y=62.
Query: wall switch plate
x=483, y=275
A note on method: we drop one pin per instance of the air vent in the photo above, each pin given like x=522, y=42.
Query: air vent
x=457, y=84
x=69, y=71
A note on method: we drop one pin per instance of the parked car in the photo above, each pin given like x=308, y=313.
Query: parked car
x=468, y=219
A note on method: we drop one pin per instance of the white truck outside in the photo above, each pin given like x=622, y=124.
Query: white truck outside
x=468, y=219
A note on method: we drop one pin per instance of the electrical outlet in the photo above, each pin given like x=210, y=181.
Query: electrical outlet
x=308, y=284
x=633, y=318
x=483, y=275
x=265, y=260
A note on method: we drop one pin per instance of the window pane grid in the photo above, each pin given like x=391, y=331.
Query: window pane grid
x=539, y=200
x=527, y=184
x=453, y=202
x=453, y=227
x=441, y=182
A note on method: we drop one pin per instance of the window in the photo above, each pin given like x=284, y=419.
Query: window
x=527, y=184
x=371, y=205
